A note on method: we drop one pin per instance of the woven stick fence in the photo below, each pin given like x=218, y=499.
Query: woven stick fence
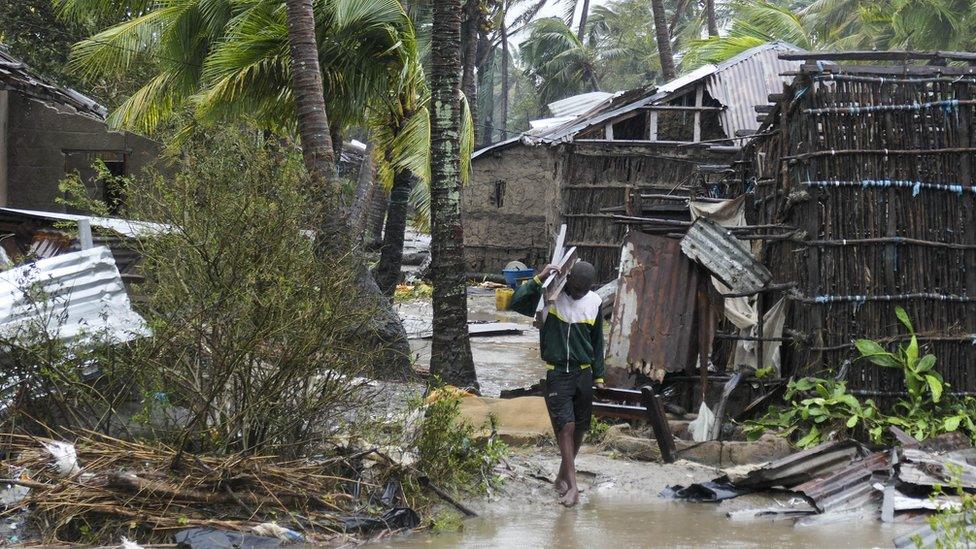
x=877, y=171
x=595, y=185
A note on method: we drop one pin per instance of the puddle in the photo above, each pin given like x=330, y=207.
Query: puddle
x=622, y=522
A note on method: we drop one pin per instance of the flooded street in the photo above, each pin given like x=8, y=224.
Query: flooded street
x=502, y=362
x=619, y=522
x=620, y=505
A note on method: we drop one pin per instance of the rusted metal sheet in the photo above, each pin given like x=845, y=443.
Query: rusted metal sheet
x=654, y=312
x=850, y=487
x=728, y=259
x=804, y=466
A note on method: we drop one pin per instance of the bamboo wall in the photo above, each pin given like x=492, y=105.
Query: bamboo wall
x=873, y=167
x=595, y=179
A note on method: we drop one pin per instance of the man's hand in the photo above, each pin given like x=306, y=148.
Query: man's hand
x=547, y=271
x=601, y=386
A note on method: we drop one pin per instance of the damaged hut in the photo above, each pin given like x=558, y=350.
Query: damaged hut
x=867, y=163
x=601, y=155
x=48, y=131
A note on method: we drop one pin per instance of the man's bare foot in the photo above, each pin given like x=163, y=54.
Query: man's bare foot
x=571, y=498
x=561, y=486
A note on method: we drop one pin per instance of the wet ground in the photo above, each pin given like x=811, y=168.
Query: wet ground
x=502, y=362
x=620, y=507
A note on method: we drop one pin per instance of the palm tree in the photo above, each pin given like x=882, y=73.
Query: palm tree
x=663, y=40
x=258, y=59
x=451, y=350
x=557, y=62
x=313, y=123
x=581, y=31
x=710, y=17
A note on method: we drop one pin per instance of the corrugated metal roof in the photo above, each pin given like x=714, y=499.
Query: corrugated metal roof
x=16, y=75
x=577, y=104
x=746, y=80
x=739, y=83
x=716, y=249
x=124, y=227
x=82, y=298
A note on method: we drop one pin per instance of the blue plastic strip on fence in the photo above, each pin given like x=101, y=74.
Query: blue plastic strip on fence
x=915, y=186
x=946, y=105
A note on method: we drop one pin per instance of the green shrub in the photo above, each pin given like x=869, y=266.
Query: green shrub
x=449, y=453
x=818, y=407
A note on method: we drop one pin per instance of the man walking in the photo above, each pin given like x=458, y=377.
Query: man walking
x=571, y=344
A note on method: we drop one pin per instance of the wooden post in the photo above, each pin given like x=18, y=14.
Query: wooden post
x=85, y=234
x=659, y=423
x=699, y=97
x=609, y=131
x=652, y=126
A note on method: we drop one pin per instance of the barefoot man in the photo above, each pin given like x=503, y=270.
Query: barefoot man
x=571, y=341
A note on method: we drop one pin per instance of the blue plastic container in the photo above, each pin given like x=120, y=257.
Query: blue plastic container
x=515, y=277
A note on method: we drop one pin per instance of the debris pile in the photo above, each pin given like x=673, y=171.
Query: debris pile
x=845, y=480
x=152, y=491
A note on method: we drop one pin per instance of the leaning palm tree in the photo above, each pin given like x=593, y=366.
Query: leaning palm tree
x=233, y=59
x=663, y=40
x=451, y=350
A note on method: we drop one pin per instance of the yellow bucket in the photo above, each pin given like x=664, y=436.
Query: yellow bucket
x=503, y=298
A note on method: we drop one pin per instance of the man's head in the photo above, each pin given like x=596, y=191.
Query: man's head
x=580, y=280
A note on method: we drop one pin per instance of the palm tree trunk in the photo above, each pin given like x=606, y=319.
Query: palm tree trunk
x=313, y=123
x=379, y=201
x=335, y=237
x=486, y=77
x=451, y=348
x=710, y=17
x=503, y=115
x=391, y=254
x=469, y=86
x=365, y=185
x=583, y=16
x=663, y=40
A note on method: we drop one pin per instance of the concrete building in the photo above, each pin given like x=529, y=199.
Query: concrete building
x=49, y=131
x=649, y=148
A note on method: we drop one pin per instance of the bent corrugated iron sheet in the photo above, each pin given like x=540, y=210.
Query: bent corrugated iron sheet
x=76, y=297
x=654, y=312
x=723, y=255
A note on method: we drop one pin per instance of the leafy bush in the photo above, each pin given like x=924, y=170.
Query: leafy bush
x=257, y=342
x=255, y=335
x=818, y=408
x=449, y=453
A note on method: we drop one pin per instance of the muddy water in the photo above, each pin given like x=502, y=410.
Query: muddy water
x=621, y=523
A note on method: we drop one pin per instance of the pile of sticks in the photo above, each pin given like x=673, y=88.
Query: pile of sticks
x=123, y=485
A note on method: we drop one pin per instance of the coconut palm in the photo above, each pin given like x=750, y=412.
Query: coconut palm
x=451, y=349
x=558, y=62
x=255, y=59
x=663, y=34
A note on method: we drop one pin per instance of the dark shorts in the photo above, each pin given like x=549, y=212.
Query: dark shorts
x=569, y=397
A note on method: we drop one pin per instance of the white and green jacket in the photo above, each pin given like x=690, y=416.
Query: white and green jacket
x=573, y=332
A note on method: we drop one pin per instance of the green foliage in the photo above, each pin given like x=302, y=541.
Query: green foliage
x=446, y=522
x=955, y=523
x=598, y=429
x=818, y=408
x=558, y=63
x=449, y=452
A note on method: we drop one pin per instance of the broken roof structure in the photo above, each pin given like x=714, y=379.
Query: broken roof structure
x=49, y=131
x=598, y=149
x=16, y=76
